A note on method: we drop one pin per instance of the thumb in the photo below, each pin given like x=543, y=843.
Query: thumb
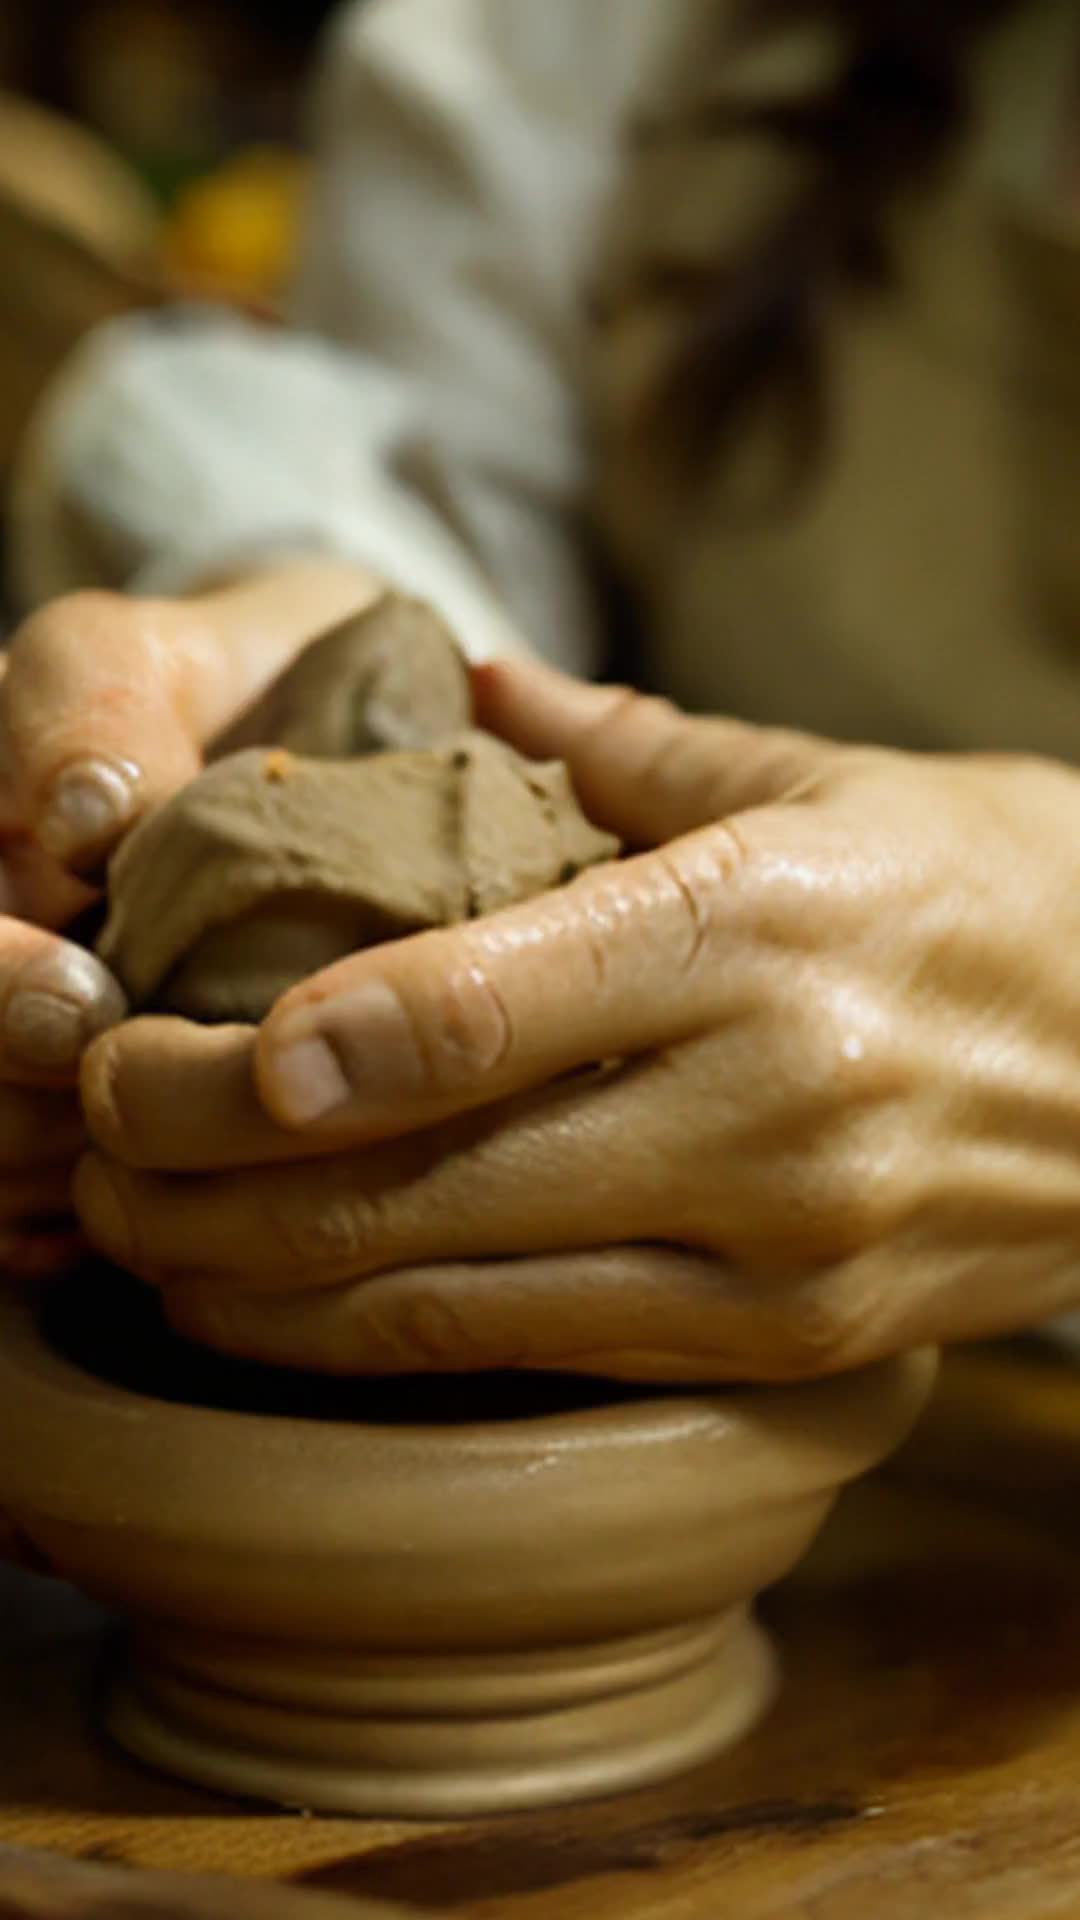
x=55, y=998
x=642, y=769
x=109, y=700
x=95, y=723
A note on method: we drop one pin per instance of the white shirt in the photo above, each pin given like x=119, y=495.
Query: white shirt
x=422, y=414
x=428, y=412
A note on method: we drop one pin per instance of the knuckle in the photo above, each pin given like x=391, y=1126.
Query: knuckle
x=472, y=1033
x=327, y=1233
x=667, y=768
x=831, y=1056
x=594, y=919
x=815, y=1327
x=380, y=1338
x=436, y=1334
x=653, y=736
x=43, y=700
x=55, y=626
x=878, y=1193
x=642, y=733
x=839, y=1038
x=726, y=851
x=623, y=711
x=101, y=1083
x=699, y=872
x=120, y=1212
x=836, y=1197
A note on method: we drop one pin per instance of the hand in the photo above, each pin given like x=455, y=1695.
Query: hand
x=76, y=678
x=54, y=997
x=841, y=1006
x=105, y=705
x=109, y=701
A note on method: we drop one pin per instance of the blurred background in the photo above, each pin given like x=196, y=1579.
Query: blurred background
x=149, y=149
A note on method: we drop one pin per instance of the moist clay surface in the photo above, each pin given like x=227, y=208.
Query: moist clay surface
x=353, y=805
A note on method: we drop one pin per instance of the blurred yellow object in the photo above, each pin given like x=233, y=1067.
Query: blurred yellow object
x=233, y=232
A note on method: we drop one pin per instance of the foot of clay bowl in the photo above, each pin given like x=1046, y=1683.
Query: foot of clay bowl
x=411, y=1612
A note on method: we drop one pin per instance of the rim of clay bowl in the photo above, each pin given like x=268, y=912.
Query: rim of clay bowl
x=616, y=1509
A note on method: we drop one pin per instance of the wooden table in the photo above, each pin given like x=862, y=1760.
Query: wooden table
x=924, y=1758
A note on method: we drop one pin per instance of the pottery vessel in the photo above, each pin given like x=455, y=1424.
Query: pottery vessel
x=410, y=1611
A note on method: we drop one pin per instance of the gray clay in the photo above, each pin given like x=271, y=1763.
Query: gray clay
x=273, y=863
x=390, y=679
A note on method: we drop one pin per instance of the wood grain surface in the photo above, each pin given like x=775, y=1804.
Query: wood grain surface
x=42, y=1886
x=923, y=1759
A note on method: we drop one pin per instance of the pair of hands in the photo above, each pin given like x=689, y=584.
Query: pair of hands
x=804, y=1065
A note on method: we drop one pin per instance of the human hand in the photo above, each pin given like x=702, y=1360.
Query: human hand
x=105, y=705
x=54, y=997
x=839, y=1001
x=109, y=700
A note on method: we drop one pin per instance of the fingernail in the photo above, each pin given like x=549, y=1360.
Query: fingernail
x=60, y=1002
x=372, y=1034
x=88, y=806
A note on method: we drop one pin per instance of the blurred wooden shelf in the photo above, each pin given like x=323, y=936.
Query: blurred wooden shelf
x=78, y=239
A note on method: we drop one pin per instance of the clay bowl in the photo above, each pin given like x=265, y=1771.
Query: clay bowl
x=412, y=1598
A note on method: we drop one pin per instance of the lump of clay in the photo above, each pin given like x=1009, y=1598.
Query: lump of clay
x=271, y=864
x=391, y=678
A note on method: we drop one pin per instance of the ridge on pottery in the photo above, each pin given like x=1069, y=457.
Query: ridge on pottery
x=396, y=1597
x=413, y=1611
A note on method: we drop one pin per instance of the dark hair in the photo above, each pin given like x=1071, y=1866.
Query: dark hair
x=885, y=124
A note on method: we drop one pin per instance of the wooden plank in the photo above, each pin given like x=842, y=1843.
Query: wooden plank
x=36, y=1886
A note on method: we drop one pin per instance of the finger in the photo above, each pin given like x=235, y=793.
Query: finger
x=650, y=1315
x=109, y=701
x=41, y=1195
x=38, y=1128
x=583, y=1165
x=97, y=722
x=627, y=958
x=33, y=887
x=641, y=768
x=627, y=1313
x=41, y=1252
x=165, y=1093
x=54, y=998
